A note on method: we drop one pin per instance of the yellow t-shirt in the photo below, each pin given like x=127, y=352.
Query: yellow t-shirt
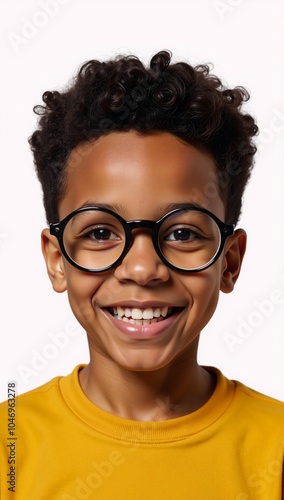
x=66, y=448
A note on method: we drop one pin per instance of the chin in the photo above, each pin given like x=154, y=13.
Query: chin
x=144, y=361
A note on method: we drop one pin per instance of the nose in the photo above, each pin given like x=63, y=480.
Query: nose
x=142, y=264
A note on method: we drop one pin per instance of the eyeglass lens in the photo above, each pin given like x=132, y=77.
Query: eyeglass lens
x=188, y=239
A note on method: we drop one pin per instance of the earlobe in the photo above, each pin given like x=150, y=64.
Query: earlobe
x=232, y=261
x=54, y=261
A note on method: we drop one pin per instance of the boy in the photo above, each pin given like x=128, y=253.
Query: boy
x=143, y=171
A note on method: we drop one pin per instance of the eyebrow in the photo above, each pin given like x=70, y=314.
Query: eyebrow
x=114, y=207
x=159, y=212
x=181, y=204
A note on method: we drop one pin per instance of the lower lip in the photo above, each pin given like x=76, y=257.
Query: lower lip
x=142, y=331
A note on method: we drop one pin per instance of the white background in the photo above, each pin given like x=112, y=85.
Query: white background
x=41, y=51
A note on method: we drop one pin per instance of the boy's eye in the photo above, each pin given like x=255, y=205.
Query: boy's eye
x=100, y=234
x=182, y=234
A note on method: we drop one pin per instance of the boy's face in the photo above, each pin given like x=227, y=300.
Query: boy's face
x=141, y=177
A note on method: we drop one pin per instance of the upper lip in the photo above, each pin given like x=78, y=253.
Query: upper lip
x=142, y=304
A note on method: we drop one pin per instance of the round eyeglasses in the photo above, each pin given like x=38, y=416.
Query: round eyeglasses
x=187, y=239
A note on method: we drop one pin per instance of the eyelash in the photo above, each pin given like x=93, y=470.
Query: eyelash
x=193, y=234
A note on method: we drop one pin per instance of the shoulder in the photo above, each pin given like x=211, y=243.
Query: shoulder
x=246, y=407
x=35, y=396
x=262, y=411
x=257, y=399
x=45, y=398
x=239, y=392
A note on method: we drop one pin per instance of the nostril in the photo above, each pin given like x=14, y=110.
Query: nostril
x=141, y=262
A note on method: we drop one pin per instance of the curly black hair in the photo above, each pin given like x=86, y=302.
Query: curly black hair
x=122, y=95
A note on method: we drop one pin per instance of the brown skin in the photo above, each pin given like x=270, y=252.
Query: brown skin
x=153, y=379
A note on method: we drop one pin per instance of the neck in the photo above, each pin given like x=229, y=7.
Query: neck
x=170, y=392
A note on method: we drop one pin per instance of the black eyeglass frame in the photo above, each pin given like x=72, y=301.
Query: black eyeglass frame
x=57, y=229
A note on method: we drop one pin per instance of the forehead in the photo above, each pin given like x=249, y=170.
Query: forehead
x=140, y=175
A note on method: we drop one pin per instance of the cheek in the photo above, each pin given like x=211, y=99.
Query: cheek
x=81, y=289
x=203, y=289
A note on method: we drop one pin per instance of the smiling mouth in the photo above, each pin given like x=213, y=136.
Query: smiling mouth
x=146, y=316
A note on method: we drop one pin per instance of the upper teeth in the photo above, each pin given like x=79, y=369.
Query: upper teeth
x=136, y=313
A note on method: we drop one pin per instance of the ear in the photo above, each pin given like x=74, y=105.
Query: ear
x=233, y=256
x=54, y=261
